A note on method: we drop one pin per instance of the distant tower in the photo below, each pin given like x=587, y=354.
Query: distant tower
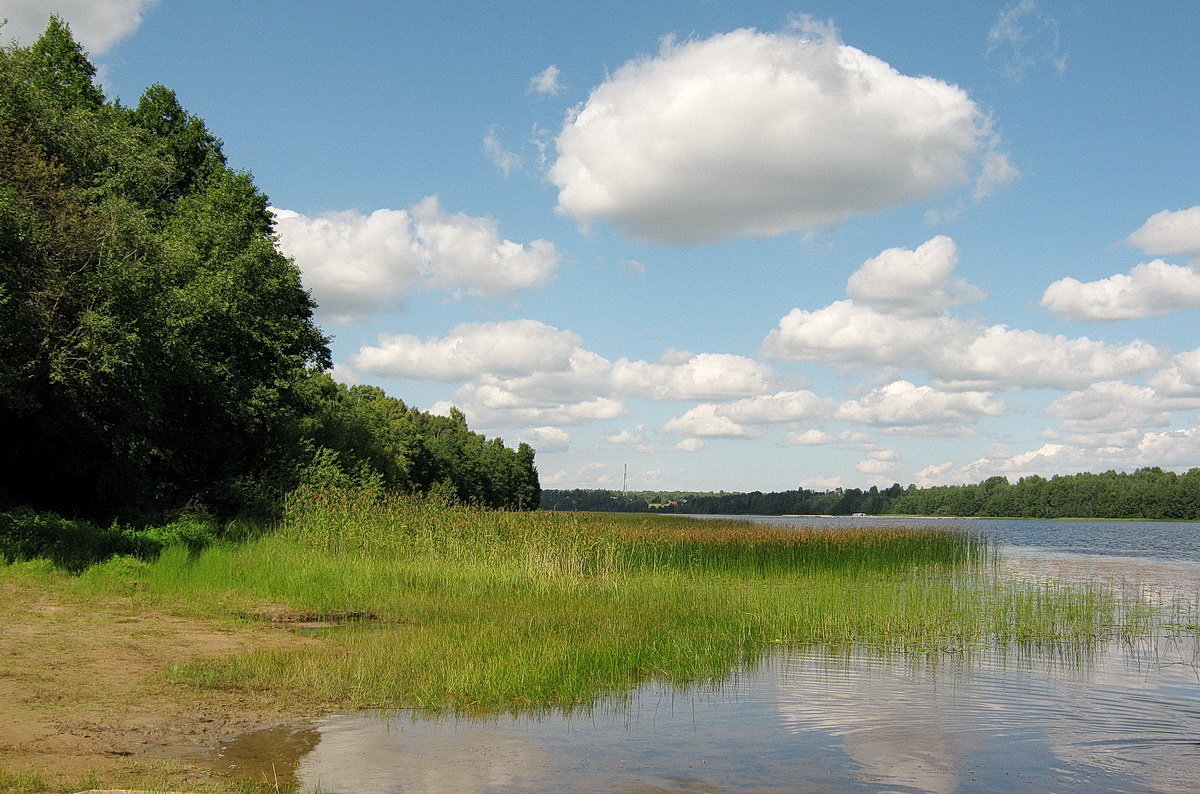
x=625, y=481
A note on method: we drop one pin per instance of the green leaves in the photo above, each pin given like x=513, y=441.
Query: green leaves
x=157, y=350
x=153, y=337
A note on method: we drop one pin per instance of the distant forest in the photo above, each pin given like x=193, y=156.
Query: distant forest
x=1149, y=493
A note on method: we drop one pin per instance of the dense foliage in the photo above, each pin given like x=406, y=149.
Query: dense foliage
x=360, y=437
x=157, y=351
x=1146, y=493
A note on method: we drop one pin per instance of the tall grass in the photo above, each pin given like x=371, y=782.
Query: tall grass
x=605, y=544
x=491, y=610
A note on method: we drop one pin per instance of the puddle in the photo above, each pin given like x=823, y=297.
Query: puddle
x=269, y=755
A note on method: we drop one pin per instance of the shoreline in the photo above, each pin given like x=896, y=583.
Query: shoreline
x=84, y=696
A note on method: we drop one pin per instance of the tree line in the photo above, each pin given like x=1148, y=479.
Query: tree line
x=837, y=502
x=157, y=352
x=1149, y=493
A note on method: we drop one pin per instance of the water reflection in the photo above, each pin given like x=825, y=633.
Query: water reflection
x=1105, y=714
x=1119, y=717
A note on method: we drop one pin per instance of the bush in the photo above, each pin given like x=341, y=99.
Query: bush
x=74, y=544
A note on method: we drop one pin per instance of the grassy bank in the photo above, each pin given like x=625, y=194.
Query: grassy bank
x=440, y=606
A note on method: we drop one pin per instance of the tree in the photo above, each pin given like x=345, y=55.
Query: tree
x=153, y=340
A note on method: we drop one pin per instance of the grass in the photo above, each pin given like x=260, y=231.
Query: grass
x=25, y=782
x=476, y=610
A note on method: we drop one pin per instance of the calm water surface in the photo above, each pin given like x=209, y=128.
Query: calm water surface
x=1111, y=717
x=1162, y=540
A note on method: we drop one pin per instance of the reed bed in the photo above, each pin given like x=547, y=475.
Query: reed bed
x=482, y=610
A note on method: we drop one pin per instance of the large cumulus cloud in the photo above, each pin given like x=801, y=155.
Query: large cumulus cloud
x=760, y=133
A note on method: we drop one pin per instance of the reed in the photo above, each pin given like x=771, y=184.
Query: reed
x=484, y=610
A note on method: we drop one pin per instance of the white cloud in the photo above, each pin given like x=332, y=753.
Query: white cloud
x=546, y=82
x=912, y=283
x=878, y=462
x=352, y=263
x=1023, y=358
x=814, y=437
x=1114, y=414
x=875, y=467
x=343, y=373
x=517, y=369
x=902, y=407
x=821, y=483
x=1026, y=37
x=952, y=349
x=500, y=157
x=96, y=24
x=513, y=348
x=546, y=439
x=935, y=474
x=635, y=437
x=356, y=264
x=759, y=133
x=784, y=406
x=464, y=250
x=844, y=332
x=587, y=475
x=1172, y=448
x=1170, y=232
x=707, y=376
x=1181, y=378
x=486, y=407
x=1149, y=288
x=703, y=421
x=690, y=445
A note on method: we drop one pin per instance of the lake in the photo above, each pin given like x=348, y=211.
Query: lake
x=1112, y=716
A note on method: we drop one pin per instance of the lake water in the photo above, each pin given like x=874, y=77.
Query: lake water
x=1162, y=540
x=1115, y=716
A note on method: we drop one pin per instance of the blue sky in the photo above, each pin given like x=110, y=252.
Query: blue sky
x=732, y=246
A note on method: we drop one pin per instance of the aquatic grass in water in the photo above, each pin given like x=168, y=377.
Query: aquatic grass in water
x=482, y=610
x=602, y=544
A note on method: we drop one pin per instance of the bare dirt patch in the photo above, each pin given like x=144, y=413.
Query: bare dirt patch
x=83, y=690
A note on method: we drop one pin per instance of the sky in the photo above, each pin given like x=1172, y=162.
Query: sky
x=725, y=246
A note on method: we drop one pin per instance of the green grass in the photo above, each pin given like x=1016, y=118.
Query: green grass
x=494, y=611
x=33, y=783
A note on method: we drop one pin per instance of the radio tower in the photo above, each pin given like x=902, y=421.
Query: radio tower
x=625, y=480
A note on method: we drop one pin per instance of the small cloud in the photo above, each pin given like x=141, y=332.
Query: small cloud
x=635, y=437
x=502, y=158
x=690, y=445
x=546, y=439
x=356, y=263
x=1025, y=38
x=1148, y=289
x=545, y=82
x=343, y=373
x=920, y=282
x=1170, y=232
x=873, y=466
x=634, y=266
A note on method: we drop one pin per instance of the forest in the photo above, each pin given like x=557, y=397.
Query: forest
x=1149, y=493
x=158, y=354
